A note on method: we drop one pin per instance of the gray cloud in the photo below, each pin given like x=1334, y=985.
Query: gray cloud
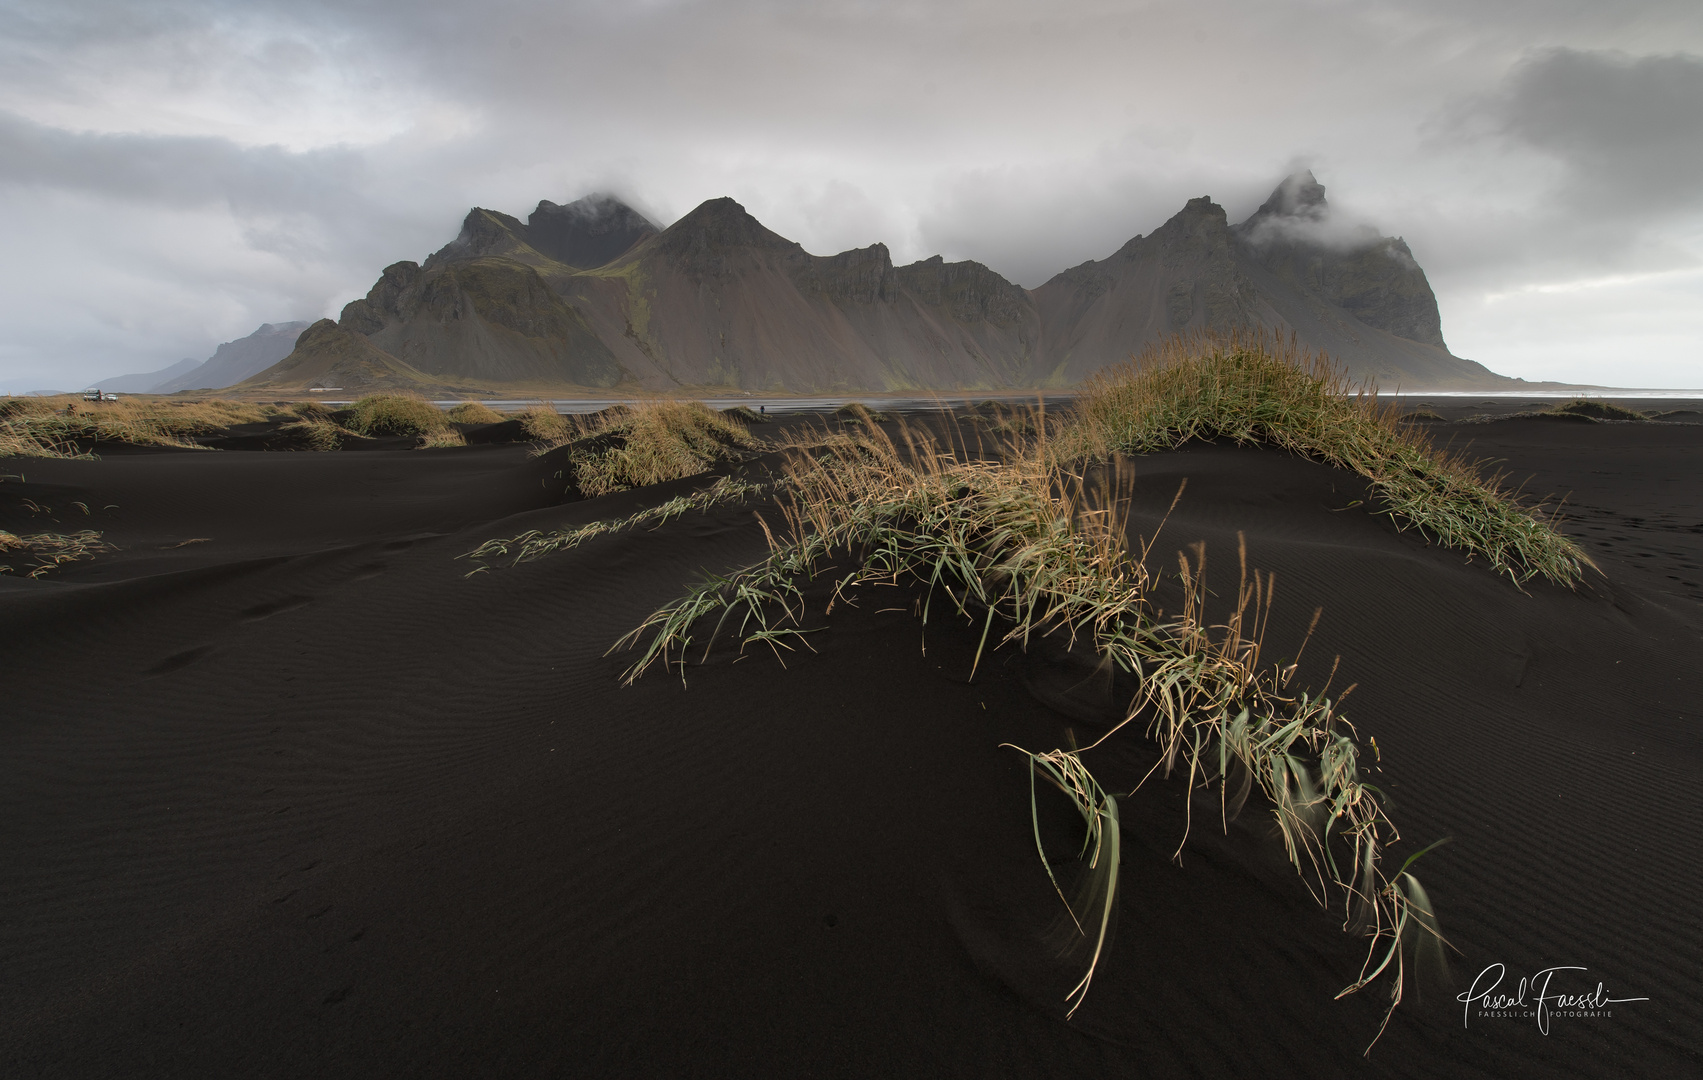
x=282, y=152
x=178, y=171
x=1628, y=129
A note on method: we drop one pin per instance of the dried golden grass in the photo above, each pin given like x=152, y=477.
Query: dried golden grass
x=311, y=410
x=475, y=412
x=395, y=414
x=59, y=426
x=1258, y=388
x=37, y=554
x=1022, y=543
x=745, y=414
x=313, y=434
x=657, y=441
x=546, y=425
x=441, y=440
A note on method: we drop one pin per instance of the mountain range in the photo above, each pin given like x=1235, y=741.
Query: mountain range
x=592, y=295
x=230, y=364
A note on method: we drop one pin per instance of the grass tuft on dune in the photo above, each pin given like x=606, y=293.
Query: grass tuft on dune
x=745, y=414
x=544, y=424
x=657, y=441
x=1023, y=545
x=475, y=412
x=1596, y=410
x=395, y=414
x=1257, y=388
x=313, y=434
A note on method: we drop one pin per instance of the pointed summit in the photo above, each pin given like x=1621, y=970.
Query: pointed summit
x=483, y=232
x=702, y=242
x=1296, y=237
x=724, y=222
x=1299, y=195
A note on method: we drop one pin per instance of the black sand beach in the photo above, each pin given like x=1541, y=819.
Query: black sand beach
x=285, y=793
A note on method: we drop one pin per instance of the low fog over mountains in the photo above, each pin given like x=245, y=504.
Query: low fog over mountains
x=593, y=295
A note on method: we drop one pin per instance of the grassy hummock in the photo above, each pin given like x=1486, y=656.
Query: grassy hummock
x=657, y=441
x=1596, y=410
x=475, y=412
x=1258, y=389
x=1020, y=546
x=395, y=414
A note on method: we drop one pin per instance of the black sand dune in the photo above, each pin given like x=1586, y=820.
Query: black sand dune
x=301, y=799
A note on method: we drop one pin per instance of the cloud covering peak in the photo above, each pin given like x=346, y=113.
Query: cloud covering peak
x=183, y=171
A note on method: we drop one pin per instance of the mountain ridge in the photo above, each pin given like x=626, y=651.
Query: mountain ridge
x=593, y=295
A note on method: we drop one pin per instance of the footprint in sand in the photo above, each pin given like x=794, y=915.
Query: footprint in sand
x=275, y=607
x=177, y=661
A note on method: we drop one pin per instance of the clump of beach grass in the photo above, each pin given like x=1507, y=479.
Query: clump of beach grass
x=475, y=412
x=1021, y=544
x=441, y=440
x=657, y=441
x=395, y=414
x=545, y=425
x=311, y=410
x=1596, y=410
x=314, y=434
x=1257, y=388
x=39, y=553
x=856, y=412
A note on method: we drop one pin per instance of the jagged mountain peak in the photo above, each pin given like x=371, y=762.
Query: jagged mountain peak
x=1297, y=237
x=589, y=232
x=726, y=221
x=717, y=299
x=599, y=210
x=702, y=242
x=483, y=232
x=1299, y=195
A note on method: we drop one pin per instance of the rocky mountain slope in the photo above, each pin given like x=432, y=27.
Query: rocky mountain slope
x=591, y=295
x=230, y=364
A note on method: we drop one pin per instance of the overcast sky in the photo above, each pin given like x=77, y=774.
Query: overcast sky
x=173, y=174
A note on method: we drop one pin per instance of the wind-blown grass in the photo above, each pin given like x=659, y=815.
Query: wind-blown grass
x=1258, y=389
x=1021, y=545
x=63, y=426
x=37, y=554
x=313, y=434
x=535, y=544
